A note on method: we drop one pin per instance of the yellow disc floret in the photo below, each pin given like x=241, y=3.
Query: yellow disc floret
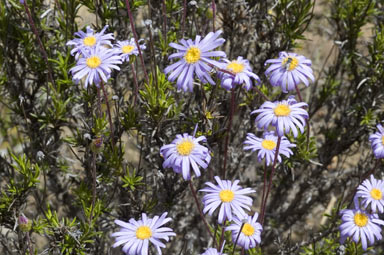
x=143, y=232
x=248, y=230
x=360, y=219
x=185, y=147
x=382, y=139
x=268, y=144
x=226, y=195
x=376, y=194
x=192, y=55
x=89, y=41
x=290, y=63
x=93, y=62
x=282, y=110
x=235, y=67
x=127, y=49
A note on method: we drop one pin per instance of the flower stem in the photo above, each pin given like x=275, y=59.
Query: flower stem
x=109, y=113
x=270, y=181
x=213, y=15
x=237, y=239
x=306, y=120
x=199, y=209
x=93, y=186
x=232, y=110
x=264, y=186
x=29, y=244
x=222, y=234
x=184, y=15
x=136, y=40
x=135, y=83
x=41, y=46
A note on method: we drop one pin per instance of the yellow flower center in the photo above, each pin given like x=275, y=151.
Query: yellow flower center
x=143, y=232
x=185, y=147
x=282, y=110
x=290, y=63
x=235, y=67
x=127, y=48
x=192, y=55
x=93, y=62
x=376, y=194
x=268, y=144
x=248, y=230
x=226, y=195
x=89, y=41
x=360, y=219
x=382, y=139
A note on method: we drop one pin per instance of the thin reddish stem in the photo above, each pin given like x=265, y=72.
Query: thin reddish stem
x=213, y=15
x=109, y=113
x=232, y=110
x=270, y=181
x=136, y=39
x=199, y=209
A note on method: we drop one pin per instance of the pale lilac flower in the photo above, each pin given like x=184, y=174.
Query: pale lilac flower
x=242, y=74
x=289, y=70
x=285, y=115
x=230, y=197
x=250, y=233
x=212, y=251
x=96, y=65
x=266, y=146
x=195, y=59
x=360, y=225
x=377, y=142
x=88, y=40
x=184, y=152
x=127, y=48
x=136, y=235
x=371, y=191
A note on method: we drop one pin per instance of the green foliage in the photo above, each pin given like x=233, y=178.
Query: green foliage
x=131, y=180
x=158, y=100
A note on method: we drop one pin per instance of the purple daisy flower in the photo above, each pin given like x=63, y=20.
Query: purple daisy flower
x=359, y=224
x=229, y=196
x=136, y=235
x=195, y=58
x=184, y=152
x=89, y=40
x=96, y=65
x=285, y=115
x=242, y=71
x=266, y=146
x=371, y=191
x=377, y=142
x=250, y=233
x=127, y=48
x=289, y=70
x=212, y=251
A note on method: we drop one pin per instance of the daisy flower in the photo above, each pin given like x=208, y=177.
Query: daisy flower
x=242, y=74
x=96, y=65
x=89, y=40
x=377, y=140
x=195, y=58
x=184, y=152
x=136, y=235
x=250, y=233
x=230, y=197
x=212, y=251
x=285, y=115
x=266, y=146
x=289, y=70
x=127, y=48
x=359, y=224
x=371, y=191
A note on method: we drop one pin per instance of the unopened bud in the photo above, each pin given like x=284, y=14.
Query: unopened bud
x=24, y=223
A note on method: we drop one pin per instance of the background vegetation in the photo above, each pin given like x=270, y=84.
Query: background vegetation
x=49, y=125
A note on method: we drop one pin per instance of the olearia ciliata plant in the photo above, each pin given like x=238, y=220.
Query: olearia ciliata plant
x=212, y=127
